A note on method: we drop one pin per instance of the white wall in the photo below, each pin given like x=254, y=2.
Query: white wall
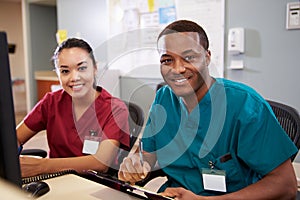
x=271, y=58
x=85, y=19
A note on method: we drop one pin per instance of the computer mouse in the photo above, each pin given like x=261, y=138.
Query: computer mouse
x=36, y=188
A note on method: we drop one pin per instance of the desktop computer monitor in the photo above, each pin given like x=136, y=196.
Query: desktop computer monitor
x=9, y=159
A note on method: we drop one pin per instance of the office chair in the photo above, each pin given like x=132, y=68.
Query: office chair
x=157, y=172
x=161, y=84
x=35, y=152
x=289, y=119
x=136, y=121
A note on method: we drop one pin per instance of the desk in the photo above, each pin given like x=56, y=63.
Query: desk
x=74, y=187
x=45, y=80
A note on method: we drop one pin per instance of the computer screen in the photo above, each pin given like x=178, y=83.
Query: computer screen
x=9, y=159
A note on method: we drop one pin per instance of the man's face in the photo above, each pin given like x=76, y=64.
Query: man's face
x=183, y=62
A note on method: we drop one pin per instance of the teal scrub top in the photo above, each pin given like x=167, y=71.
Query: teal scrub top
x=232, y=127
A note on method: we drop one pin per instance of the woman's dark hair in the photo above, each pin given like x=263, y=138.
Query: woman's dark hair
x=186, y=26
x=71, y=43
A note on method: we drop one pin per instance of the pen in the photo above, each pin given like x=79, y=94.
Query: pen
x=20, y=148
x=141, y=152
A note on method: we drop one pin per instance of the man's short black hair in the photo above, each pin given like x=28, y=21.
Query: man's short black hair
x=186, y=26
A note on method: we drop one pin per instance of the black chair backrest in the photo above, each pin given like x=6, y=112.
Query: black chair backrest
x=161, y=84
x=289, y=119
x=136, y=121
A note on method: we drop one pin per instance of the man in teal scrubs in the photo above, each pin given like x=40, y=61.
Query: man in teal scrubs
x=211, y=136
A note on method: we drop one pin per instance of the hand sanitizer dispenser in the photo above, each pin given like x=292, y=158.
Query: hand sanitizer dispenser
x=236, y=41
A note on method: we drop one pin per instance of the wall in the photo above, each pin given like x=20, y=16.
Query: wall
x=40, y=26
x=86, y=20
x=11, y=23
x=43, y=27
x=271, y=59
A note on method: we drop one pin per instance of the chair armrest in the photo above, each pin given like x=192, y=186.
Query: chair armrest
x=35, y=152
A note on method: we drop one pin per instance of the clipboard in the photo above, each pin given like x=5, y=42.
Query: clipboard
x=126, y=187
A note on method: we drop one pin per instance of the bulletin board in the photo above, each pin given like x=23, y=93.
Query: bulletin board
x=210, y=14
x=140, y=21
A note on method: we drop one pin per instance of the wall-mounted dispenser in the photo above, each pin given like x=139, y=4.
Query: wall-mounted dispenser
x=293, y=15
x=236, y=41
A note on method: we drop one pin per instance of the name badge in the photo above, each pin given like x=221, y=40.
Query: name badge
x=91, y=143
x=214, y=180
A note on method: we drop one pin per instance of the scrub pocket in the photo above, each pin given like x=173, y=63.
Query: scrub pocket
x=235, y=178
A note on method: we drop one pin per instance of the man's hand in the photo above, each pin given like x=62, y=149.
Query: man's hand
x=181, y=194
x=132, y=170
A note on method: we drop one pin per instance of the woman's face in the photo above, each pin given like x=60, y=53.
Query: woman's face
x=76, y=72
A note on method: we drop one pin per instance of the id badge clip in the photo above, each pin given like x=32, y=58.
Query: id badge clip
x=213, y=179
x=91, y=143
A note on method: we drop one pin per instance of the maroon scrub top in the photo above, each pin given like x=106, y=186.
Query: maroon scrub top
x=107, y=118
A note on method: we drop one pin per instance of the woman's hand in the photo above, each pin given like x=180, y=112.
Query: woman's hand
x=31, y=166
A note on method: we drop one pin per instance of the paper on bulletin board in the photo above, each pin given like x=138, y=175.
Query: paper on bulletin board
x=149, y=19
x=167, y=15
x=210, y=14
x=151, y=5
x=61, y=35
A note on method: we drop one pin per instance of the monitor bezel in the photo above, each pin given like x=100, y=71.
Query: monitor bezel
x=9, y=158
